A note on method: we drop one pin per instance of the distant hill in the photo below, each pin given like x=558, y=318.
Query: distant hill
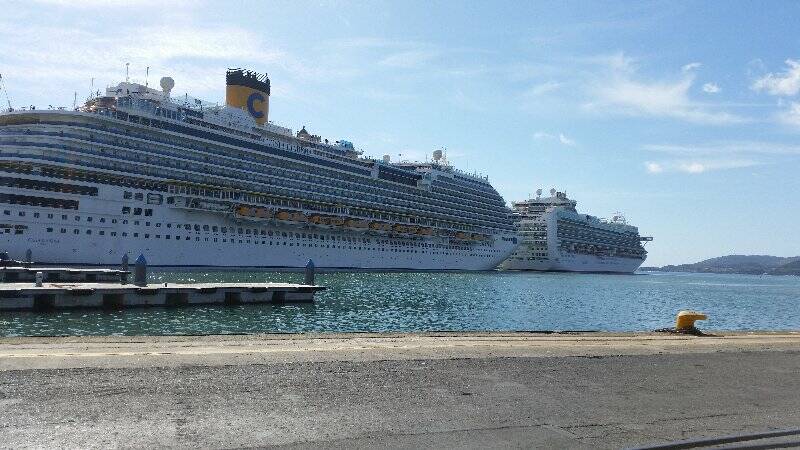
x=747, y=264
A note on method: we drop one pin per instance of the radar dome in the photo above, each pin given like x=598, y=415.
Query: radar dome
x=437, y=155
x=553, y=191
x=167, y=84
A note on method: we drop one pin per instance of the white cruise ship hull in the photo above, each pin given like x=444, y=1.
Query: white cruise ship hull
x=577, y=263
x=97, y=233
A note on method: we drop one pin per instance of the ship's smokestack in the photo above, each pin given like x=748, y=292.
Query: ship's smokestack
x=248, y=91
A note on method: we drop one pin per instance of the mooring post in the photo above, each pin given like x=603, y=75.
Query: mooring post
x=39, y=279
x=140, y=271
x=123, y=276
x=309, y=281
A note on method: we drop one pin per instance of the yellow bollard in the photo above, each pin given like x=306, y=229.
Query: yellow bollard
x=685, y=319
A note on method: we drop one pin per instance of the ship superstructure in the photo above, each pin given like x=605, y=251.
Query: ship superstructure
x=191, y=184
x=556, y=237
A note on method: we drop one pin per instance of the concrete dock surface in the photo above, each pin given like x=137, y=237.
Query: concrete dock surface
x=440, y=390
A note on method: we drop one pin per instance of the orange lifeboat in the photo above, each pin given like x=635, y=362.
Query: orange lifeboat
x=461, y=235
x=412, y=229
x=243, y=211
x=315, y=219
x=398, y=228
x=297, y=217
x=337, y=221
x=282, y=215
x=263, y=213
x=423, y=231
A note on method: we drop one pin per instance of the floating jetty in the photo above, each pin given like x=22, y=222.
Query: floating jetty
x=45, y=288
x=28, y=296
x=61, y=274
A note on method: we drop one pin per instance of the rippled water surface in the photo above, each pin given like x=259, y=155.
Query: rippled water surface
x=452, y=301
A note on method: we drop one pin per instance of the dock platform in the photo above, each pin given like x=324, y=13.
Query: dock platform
x=29, y=296
x=20, y=274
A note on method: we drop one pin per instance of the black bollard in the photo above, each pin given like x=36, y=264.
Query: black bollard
x=123, y=276
x=309, y=281
x=140, y=271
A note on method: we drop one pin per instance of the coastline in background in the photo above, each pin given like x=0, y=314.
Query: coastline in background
x=741, y=264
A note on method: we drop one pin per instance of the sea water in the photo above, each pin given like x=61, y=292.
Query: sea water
x=484, y=301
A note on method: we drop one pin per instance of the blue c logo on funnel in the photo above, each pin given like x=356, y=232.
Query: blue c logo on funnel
x=251, y=107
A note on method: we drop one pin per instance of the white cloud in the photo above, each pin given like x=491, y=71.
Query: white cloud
x=711, y=88
x=408, y=59
x=747, y=148
x=542, y=88
x=560, y=137
x=565, y=140
x=791, y=116
x=690, y=67
x=654, y=167
x=698, y=166
x=619, y=91
x=786, y=83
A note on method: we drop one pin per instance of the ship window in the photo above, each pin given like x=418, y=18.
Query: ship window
x=49, y=216
x=113, y=233
x=187, y=238
x=127, y=194
x=113, y=220
x=166, y=236
x=7, y=212
x=169, y=225
x=240, y=231
x=125, y=222
x=63, y=230
x=135, y=234
x=88, y=231
x=126, y=210
x=197, y=227
x=63, y=217
x=214, y=228
x=187, y=227
x=224, y=229
x=124, y=234
x=22, y=213
x=158, y=225
x=205, y=227
x=49, y=230
x=137, y=211
x=148, y=212
x=138, y=196
x=76, y=231
x=78, y=218
x=36, y=215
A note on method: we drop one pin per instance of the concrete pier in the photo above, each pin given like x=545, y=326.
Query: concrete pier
x=29, y=296
x=439, y=390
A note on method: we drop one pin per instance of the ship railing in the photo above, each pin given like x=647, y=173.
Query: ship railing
x=182, y=156
x=176, y=165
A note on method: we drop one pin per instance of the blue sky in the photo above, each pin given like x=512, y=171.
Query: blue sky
x=683, y=115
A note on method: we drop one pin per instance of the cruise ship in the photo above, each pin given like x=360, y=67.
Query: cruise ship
x=186, y=183
x=556, y=237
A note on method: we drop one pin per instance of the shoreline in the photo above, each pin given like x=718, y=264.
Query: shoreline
x=20, y=353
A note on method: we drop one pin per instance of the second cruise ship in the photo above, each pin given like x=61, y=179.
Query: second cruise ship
x=190, y=184
x=556, y=237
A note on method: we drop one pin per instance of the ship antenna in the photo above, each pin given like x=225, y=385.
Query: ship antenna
x=5, y=89
x=75, y=101
x=127, y=66
x=146, y=76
